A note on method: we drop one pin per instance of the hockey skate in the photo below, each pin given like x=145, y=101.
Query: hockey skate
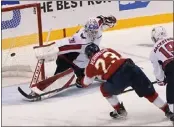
x=169, y=114
x=121, y=113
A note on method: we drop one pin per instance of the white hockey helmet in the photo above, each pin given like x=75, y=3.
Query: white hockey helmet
x=158, y=33
x=92, y=28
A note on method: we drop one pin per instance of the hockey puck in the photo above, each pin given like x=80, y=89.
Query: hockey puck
x=13, y=54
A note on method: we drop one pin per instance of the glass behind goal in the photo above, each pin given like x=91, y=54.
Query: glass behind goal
x=21, y=30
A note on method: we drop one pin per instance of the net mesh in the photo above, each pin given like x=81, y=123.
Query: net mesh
x=19, y=35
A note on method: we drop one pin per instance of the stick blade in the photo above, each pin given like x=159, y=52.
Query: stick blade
x=24, y=94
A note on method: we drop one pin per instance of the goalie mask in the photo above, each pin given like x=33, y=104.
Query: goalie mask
x=158, y=33
x=91, y=49
x=92, y=28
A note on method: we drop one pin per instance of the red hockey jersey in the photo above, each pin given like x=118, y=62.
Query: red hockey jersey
x=102, y=65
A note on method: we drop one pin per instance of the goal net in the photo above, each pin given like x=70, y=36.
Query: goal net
x=21, y=30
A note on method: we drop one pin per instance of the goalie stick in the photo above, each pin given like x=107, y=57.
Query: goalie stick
x=46, y=94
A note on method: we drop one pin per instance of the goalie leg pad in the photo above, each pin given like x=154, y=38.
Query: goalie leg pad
x=47, y=82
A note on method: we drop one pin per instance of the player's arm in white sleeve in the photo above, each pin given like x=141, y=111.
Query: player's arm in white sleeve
x=158, y=72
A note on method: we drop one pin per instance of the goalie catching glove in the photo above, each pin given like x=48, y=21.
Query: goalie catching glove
x=47, y=52
x=109, y=20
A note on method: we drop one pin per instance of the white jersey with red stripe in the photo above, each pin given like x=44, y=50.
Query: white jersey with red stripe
x=162, y=53
x=78, y=43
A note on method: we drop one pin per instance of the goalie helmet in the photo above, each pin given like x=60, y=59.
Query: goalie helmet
x=91, y=49
x=92, y=28
x=158, y=33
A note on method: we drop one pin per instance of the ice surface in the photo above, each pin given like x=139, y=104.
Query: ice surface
x=79, y=107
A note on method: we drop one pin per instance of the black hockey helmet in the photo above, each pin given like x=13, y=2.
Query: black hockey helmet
x=91, y=50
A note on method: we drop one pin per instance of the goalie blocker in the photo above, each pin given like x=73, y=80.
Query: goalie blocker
x=47, y=52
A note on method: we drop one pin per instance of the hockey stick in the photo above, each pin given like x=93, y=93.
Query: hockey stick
x=133, y=89
x=99, y=80
x=102, y=81
x=46, y=94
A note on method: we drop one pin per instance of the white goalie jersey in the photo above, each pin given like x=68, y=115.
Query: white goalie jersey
x=161, y=54
x=76, y=43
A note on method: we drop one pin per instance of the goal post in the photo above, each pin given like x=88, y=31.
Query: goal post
x=21, y=27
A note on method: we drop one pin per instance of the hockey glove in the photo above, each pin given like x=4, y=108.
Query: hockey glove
x=102, y=18
x=78, y=82
x=107, y=20
x=111, y=19
x=162, y=83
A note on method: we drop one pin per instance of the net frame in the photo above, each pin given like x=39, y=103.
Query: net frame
x=39, y=24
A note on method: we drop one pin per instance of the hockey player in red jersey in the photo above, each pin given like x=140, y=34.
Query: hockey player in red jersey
x=162, y=58
x=119, y=73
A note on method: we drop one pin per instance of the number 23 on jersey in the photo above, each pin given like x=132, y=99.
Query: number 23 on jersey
x=107, y=57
